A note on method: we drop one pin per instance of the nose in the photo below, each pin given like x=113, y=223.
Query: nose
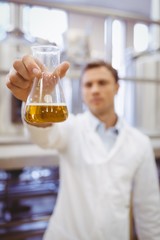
x=95, y=88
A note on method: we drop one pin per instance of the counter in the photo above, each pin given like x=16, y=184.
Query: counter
x=156, y=146
x=17, y=152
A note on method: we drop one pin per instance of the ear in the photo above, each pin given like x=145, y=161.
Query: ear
x=116, y=87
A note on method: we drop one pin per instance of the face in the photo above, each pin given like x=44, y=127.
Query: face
x=98, y=90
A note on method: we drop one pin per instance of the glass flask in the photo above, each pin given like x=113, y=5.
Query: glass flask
x=46, y=102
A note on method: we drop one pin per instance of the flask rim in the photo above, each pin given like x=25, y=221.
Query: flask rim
x=45, y=48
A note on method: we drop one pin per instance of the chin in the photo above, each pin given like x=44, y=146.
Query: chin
x=96, y=111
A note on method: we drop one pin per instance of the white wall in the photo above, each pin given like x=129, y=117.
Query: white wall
x=94, y=26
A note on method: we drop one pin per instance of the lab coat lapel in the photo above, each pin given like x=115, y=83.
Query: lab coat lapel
x=96, y=146
x=99, y=152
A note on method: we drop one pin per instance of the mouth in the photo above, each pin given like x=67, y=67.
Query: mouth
x=96, y=101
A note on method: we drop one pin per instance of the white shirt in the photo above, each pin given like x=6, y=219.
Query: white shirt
x=108, y=135
x=95, y=186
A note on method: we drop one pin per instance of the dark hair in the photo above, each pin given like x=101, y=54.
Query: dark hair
x=100, y=63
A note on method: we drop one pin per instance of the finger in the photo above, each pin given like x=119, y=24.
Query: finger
x=33, y=66
x=21, y=69
x=63, y=67
x=59, y=72
x=19, y=93
x=27, y=67
x=17, y=80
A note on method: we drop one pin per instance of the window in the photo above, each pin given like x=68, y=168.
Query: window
x=118, y=61
x=4, y=19
x=118, y=45
x=48, y=24
x=141, y=43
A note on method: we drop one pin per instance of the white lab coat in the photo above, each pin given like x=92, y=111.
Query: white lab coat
x=95, y=187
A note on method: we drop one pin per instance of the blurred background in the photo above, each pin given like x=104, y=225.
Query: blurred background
x=125, y=33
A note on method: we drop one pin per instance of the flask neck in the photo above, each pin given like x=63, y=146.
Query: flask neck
x=47, y=55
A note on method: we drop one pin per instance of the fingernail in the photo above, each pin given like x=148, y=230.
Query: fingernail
x=36, y=71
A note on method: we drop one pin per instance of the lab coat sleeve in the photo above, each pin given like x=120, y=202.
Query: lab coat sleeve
x=52, y=137
x=146, y=198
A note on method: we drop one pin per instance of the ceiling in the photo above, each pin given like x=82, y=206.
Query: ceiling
x=140, y=7
x=134, y=6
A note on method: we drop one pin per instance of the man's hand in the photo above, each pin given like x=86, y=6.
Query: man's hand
x=21, y=77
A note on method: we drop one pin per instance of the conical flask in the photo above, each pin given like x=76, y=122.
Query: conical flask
x=46, y=102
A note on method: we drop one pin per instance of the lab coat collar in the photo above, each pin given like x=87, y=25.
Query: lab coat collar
x=95, y=123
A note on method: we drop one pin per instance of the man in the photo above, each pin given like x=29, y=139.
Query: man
x=103, y=162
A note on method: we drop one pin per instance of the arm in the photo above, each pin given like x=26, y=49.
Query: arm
x=49, y=137
x=146, y=198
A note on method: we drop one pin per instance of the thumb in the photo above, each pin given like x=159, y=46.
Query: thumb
x=63, y=68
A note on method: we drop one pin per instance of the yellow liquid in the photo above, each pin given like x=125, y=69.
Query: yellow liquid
x=39, y=113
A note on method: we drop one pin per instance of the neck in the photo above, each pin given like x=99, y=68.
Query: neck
x=108, y=119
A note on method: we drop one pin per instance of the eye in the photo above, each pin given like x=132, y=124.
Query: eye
x=88, y=85
x=102, y=82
